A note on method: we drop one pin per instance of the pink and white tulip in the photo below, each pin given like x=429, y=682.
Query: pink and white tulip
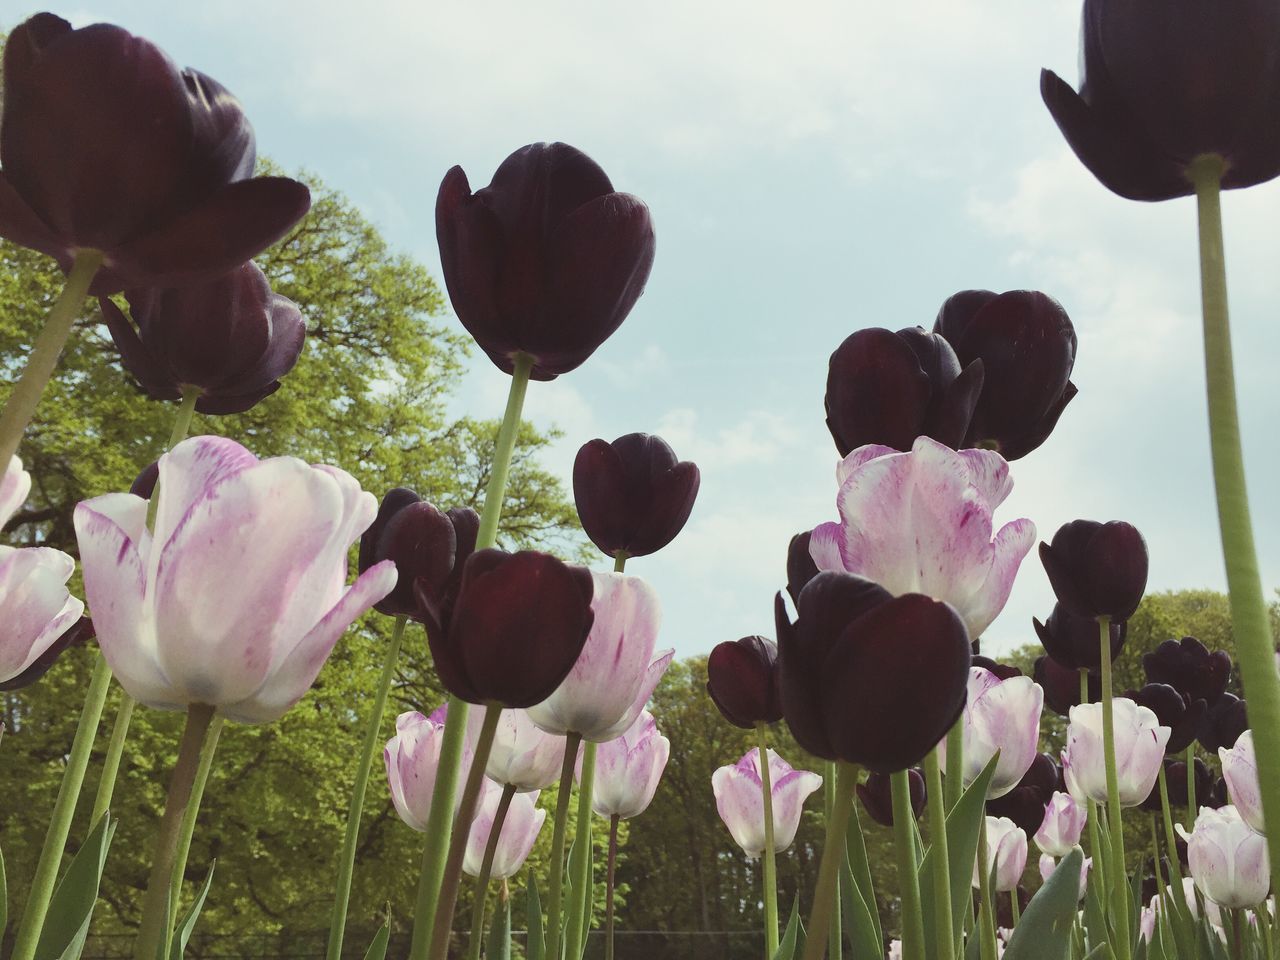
x=238, y=595
x=15, y=485
x=921, y=522
x=740, y=800
x=617, y=671
x=1006, y=854
x=628, y=769
x=1140, y=742
x=999, y=715
x=1064, y=821
x=1240, y=770
x=412, y=757
x=520, y=829
x=1227, y=858
x=1049, y=864
x=523, y=755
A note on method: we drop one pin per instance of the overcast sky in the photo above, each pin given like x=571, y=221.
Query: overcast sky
x=811, y=170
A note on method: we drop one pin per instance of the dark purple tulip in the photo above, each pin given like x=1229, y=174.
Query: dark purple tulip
x=79, y=633
x=742, y=679
x=231, y=338
x=1190, y=668
x=889, y=388
x=1025, y=803
x=517, y=627
x=1218, y=797
x=547, y=260
x=1175, y=772
x=106, y=144
x=1027, y=346
x=800, y=566
x=1003, y=671
x=633, y=495
x=1185, y=718
x=144, y=484
x=1061, y=685
x=867, y=677
x=1075, y=642
x=429, y=548
x=1227, y=719
x=1164, y=81
x=876, y=795
x=1097, y=569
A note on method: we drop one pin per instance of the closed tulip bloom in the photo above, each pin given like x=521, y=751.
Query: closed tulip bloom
x=1073, y=641
x=742, y=680
x=522, y=755
x=888, y=388
x=1227, y=720
x=618, y=670
x=547, y=260
x=1049, y=864
x=106, y=144
x=1227, y=858
x=1027, y=346
x=37, y=610
x=1185, y=718
x=921, y=522
x=800, y=566
x=1006, y=854
x=876, y=794
x=867, y=677
x=231, y=339
x=1001, y=715
x=1190, y=668
x=633, y=496
x=237, y=596
x=520, y=830
x=1064, y=820
x=1061, y=685
x=1240, y=770
x=1025, y=803
x=628, y=769
x=1097, y=569
x=412, y=757
x=740, y=800
x=1139, y=746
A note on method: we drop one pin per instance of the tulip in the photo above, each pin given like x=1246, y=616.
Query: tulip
x=1227, y=720
x=632, y=495
x=1190, y=668
x=740, y=800
x=236, y=598
x=1240, y=770
x=1006, y=855
x=1139, y=747
x=1072, y=641
x=520, y=828
x=1097, y=569
x=1175, y=776
x=615, y=676
x=1027, y=347
x=546, y=261
x=1025, y=804
x=15, y=485
x=1061, y=685
x=1227, y=858
x=522, y=755
x=921, y=522
x=1163, y=83
x=1001, y=671
x=867, y=677
x=429, y=549
x=628, y=769
x=1064, y=820
x=39, y=614
x=231, y=339
x=1185, y=718
x=889, y=388
x=877, y=796
x=1001, y=715
x=742, y=680
x=800, y=566
x=518, y=626
x=1049, y=864
x=107, y=145
x=79, y=633
x=412, y=757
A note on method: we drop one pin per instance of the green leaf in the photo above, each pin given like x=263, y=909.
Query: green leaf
x=860, y=864
x=498, y=946
x=1101, y=952
x=67, y=923
x=1044, y=932
x=4, y=897
x=183, y=934
x=791, y=936
x=378, y=949
x=859, y=925
x=533, y=949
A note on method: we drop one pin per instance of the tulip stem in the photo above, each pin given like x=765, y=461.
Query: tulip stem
x=25, y=396
x=1191, y=782
x=620, y=561
x=1119, y=888
x=580, y=860
x=835, y=935
x=833, y=854
x=1015, y=906
x=1175, y=868
x=609, y=885
x=987, y=910
x=191, y=815
x=486, y=870
x=768, y=859
x=571, y=744
x=64, y=809
x=943, y=922
x=904, y=819
x=155, y=903
x=955, y=763
x=487, y=535
x=368, y=750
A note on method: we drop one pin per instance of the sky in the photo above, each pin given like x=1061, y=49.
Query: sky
x=812, y=170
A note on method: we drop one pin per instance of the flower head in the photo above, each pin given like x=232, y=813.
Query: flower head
x=1074, y=642
x=523, y=756
x=1240, y=770
x=1025, y=803
x=1006, y=854
x=876, y=794
x=1001, y=715
x=740, y=800
x=412, y=758
x=519, y=831
x=742, y=680
x=1191, y=668
x=1227, y=858
x=1064, y=820
x=1097, y=569
x=1139, y=747
x=628, y=769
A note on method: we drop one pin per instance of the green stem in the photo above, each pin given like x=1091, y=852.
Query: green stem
x=609, y=885
x=835, y=935
x=25, y=396
x=904, y=819
x=155, y=903
x=192, y=814
x=987, y=911
x=1119, y=888
x=486, y=870
x=580, y=861
x=943, y=922
x=1015, y=906
x=955, y=763
x=768, y=858
x=1191, y=785
x=833, y=854
x=552, y=947
x=619, y=561
x=1251, y=627
x=487, y=535
x=368, y=751
x=1171, y=845
x=64, y=808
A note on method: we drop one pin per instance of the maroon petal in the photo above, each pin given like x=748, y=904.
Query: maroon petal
x=286, y=335
x=23, y=226
x=603, y=496
x=223, y=148
x=798, y=680
x=137, y=359
x=742, y=680
x=670, y=503
x=539, y=185
x=800, y=566
x=877, y=392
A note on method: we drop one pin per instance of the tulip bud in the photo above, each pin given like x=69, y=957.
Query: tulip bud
x=412, y=757
x=523, y=756
x=1227, y=858
x=1061, y=685
x=1190, y=668
x=800, y=566
x=1184, y=718
x=876, y=794
x=1228, y=719
x=1074, y=642
x=1025, y=803
x=1240, y=770
x=1139, y=750
x=628, y=769
x=742, y=680
x=1049, y=864
x=547, y=260
x=632, y=495
x=1001, y=715
x=739, y=794
x=1027, y=347
x=1006, y=855
x=889, y=388
x=106, y=145
x=1175, y=775
x=1063, y=822
x=519, y=831
x=1097, y=569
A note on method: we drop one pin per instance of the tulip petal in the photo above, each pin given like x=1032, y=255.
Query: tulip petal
x=21, y=225
x=1011, y=545
x=649, y=681
x=15, y=486
x=190, y=471
x=35, y=607
x=137, y=359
